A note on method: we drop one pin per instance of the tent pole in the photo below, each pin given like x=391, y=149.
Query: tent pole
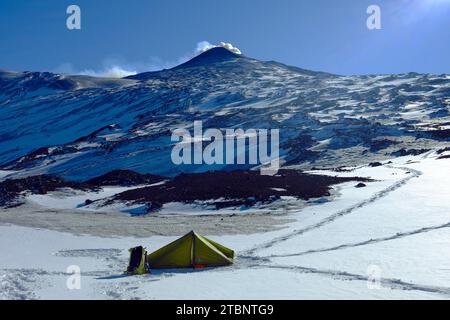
x=193, y=253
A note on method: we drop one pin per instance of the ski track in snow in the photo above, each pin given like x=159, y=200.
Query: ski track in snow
x=339, y=214
x=367, y=242
x=346, y=276
x=252, y=260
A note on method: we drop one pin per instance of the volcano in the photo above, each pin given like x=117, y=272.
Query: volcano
x=212, y=56
x=81, y=127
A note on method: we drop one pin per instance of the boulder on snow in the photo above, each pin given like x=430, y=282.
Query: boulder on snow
x=375, y=164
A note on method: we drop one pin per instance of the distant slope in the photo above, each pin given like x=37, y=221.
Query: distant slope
x=81, y=127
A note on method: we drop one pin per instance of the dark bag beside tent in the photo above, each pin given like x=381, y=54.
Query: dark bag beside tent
x=191, y=251
x=138, y=261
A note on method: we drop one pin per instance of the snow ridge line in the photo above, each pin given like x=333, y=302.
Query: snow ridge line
x=366, y=242
x=386, y=282
x=337, y=215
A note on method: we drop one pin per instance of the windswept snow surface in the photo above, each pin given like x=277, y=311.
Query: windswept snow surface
x=387, y=240
x=71, y=199
x=5, y=173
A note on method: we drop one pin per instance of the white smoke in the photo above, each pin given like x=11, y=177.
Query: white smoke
x=108, y=71
x=205, y=46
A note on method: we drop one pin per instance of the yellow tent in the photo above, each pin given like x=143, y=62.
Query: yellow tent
x=191, y=251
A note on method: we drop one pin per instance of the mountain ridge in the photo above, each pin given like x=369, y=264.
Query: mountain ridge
x=81, y=127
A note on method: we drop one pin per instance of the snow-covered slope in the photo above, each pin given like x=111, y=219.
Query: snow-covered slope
x=387, y=240
x=81, y=127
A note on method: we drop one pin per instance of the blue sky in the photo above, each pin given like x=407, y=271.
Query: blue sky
x=140, y=35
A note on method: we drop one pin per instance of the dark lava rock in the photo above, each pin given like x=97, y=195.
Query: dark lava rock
x=10, y=189
x=235, y=188
x=439, y=134
x=408, y=152
x=375, y=164
x=124, y=178
x=441, y=151
x=444, y=157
